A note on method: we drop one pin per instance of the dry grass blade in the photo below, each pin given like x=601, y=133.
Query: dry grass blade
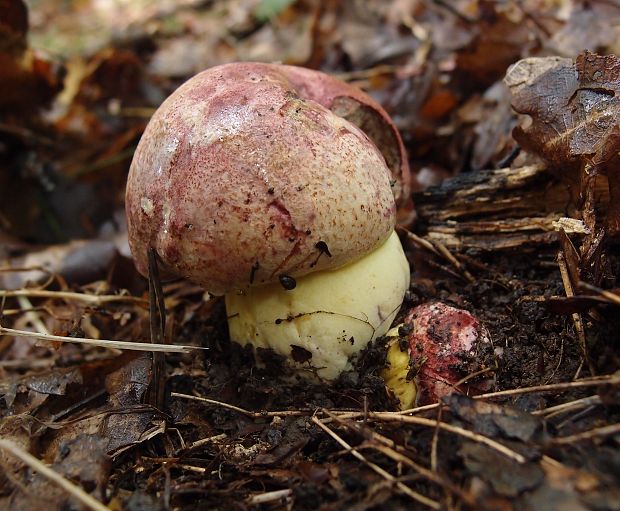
x=102, y=343
x=376, y=468
x=68, y=295
x=36, y=465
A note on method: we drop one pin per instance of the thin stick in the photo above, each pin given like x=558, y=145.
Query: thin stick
x=452, y=429
x=31, y=315
x=207, y=440
x=157, y=320
x=569, y=406
x=610, y=379
x=68, y=295
x=612, y=297
x=103, y=343
x=441, y=250
x=577, y=321
x=435, y=441
x=394, y=451
x=36, y=465
x=376, y=468
x=192, y=468
x=607, y=379
x=264, y=498
x=612, y=429
x=248, y=413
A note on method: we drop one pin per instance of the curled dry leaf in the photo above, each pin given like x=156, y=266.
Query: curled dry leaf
x=575, y=124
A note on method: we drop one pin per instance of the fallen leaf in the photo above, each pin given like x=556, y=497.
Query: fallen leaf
x=575, y=123
x=496, y=420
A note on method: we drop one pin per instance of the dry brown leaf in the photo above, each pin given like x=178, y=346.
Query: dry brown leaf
x=575, y=114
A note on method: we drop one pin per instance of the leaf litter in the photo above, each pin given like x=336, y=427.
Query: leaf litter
x=234, y=435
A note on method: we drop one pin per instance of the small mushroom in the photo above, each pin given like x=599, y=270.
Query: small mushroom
x=436, y=351
x=246, y=183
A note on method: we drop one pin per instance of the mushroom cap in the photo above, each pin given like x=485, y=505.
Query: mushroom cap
x=354, y=105
x=240, y=178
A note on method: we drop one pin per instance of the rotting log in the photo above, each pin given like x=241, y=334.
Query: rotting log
x=497, y=209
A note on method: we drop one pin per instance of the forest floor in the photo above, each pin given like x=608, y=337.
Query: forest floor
x=517, y=223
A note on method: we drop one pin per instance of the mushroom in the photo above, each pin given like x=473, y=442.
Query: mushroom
x=246, y=183
x=438, y=350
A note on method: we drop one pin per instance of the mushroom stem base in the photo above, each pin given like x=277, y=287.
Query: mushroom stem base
x=329, y=317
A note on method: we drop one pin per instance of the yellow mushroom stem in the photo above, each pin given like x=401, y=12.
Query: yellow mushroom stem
x=330, y=316
x=397, y=373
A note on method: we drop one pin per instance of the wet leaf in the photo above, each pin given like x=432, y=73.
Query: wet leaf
x=56, y=382
x=496, y=420
x=507, y=477
x=84, y=460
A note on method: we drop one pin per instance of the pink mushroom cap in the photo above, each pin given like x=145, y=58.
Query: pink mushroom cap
x=244, y=175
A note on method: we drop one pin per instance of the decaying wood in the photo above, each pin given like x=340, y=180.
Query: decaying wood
x=498, y=209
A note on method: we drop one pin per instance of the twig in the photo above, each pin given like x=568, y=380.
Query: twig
x=439, y=249
x=103, y=343
x=36, y=465
x=473, y=375
x=157, y=319
x=435, y=441
x=247, y=413
x=191, y=468
x=386, y=475
x=270, y=496
x=421, y=242
x=610, y=379
x=577, y=321
x=68, y=295
x=612, y=297
x=489, y=442
x=568, y=407
x=443, y=250
x=394, y=451
x=208, y=440
x=612, y=429
x=31, y=315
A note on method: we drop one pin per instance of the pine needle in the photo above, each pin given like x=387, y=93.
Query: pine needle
x=103, y=343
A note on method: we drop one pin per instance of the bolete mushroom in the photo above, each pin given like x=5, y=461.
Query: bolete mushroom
x=438, y=350
x=246, y=183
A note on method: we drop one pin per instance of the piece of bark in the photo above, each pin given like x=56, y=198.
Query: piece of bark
x=495, y=209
